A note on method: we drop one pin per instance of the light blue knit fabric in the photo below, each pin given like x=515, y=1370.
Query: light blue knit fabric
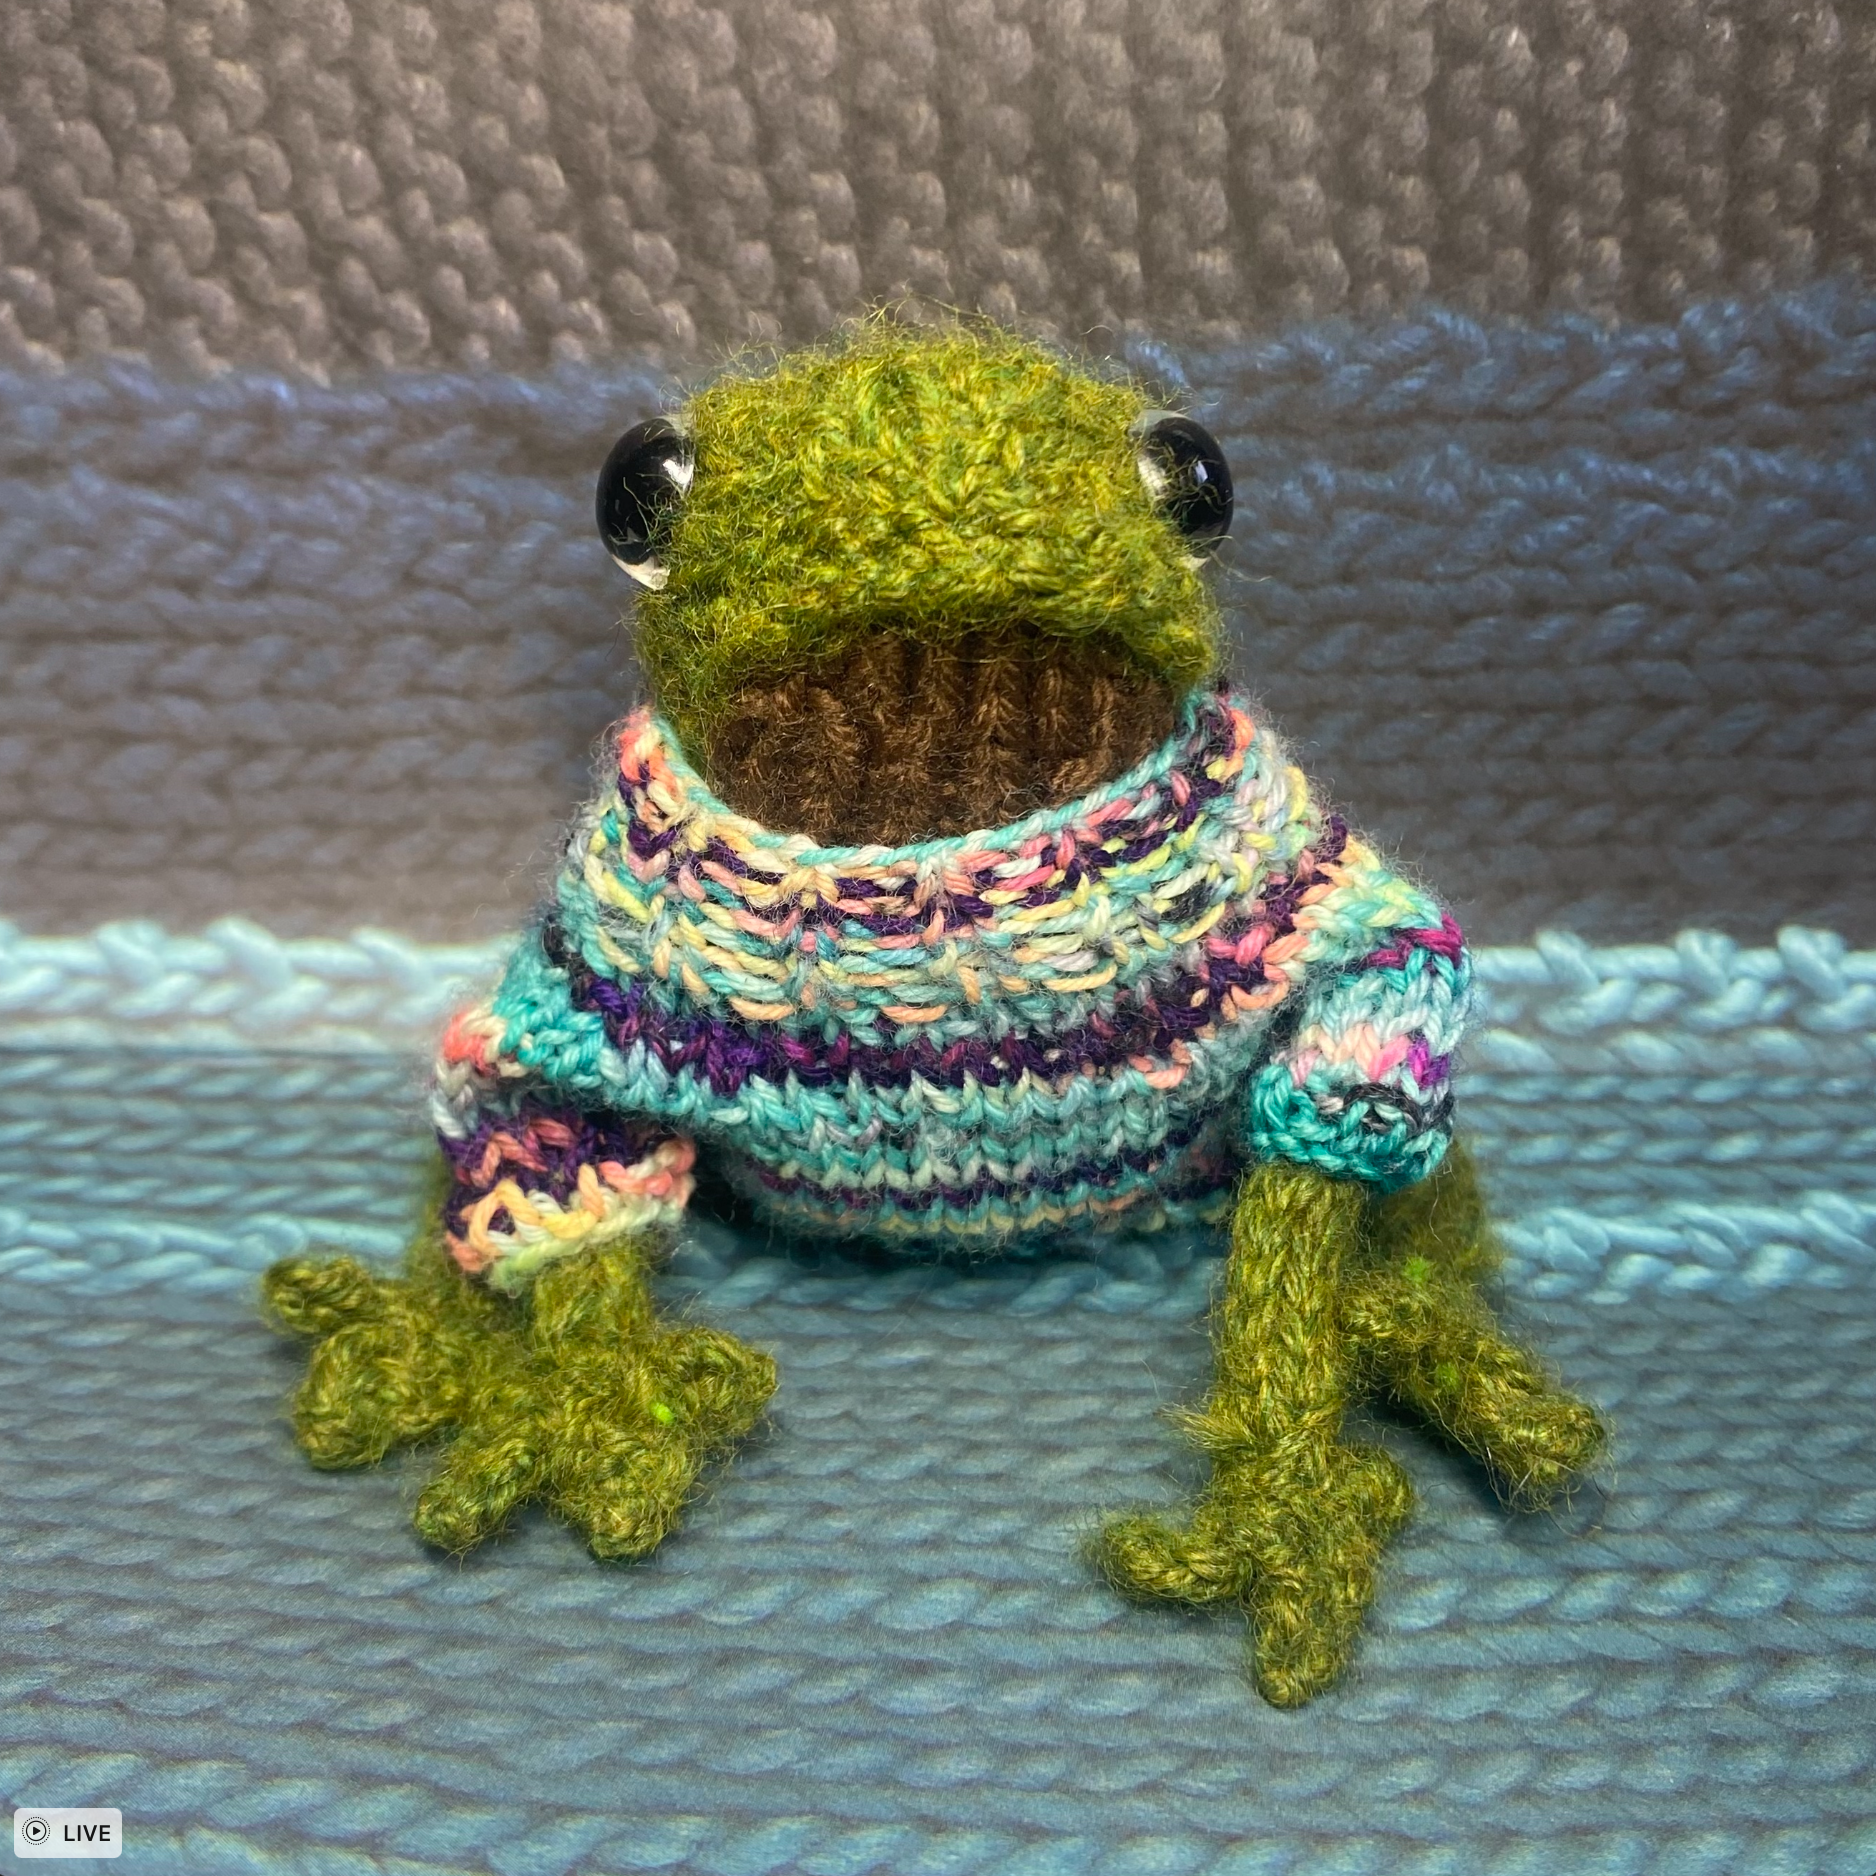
x=1694, y=1116
x=873, y=1647
x=1629, y=573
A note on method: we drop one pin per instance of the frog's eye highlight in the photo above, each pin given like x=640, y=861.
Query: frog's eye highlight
x=645, y=477
x=1185, y=473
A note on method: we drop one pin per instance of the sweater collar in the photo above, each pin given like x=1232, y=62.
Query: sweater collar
x=662, y=794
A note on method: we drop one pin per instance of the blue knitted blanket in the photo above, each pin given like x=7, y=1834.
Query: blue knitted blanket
x=874, y=1647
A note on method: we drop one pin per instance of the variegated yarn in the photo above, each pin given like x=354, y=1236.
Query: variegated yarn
x=1092, y=1016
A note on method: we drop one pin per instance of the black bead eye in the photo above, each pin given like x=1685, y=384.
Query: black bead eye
x=644, y=479
x=1186, y=474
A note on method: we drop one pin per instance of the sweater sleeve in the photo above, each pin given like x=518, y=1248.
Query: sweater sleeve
x=541, y=1165
x=1358, y=1083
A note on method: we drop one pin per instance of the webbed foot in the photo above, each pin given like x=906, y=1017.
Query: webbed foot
x=1424, y=1337
x=1430, y=1344
x=1297, y=1544
x=1292, y=1523
x=395, y=1359
x=577, y=1396
x=1329, y=1295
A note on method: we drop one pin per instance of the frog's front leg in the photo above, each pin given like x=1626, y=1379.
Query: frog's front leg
x=576, y=1394
x=1293, y=1522
x=1426, y=1339
x=395, y=1360
x=630, y=1407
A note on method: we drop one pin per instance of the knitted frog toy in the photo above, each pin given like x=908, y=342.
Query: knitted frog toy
x=947, y=898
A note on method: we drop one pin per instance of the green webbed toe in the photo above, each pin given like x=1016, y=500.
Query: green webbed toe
x=577, y=1396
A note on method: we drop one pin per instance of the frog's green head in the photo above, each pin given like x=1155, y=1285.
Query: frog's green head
x=930, y=483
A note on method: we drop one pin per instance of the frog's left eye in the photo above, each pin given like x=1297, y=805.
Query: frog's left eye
x=645, y=477
x=1186, y=474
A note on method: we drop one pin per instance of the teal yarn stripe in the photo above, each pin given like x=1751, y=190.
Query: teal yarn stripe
x=176, y=1111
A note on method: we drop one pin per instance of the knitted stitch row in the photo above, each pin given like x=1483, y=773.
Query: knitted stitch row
x=1628, y=570
x=397, y=182
x=1090, y=1017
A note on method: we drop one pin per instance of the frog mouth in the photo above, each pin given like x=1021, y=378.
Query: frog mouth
x=894, y=740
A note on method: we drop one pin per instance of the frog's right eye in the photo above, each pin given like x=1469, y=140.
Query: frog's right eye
x=645, y=477
x=1186, y=475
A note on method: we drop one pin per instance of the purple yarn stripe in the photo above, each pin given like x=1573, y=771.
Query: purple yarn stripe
x=1191, y=1183
x=595, y=1138
x=729, y=1052
x=1428, y=1070
x=1447, y=941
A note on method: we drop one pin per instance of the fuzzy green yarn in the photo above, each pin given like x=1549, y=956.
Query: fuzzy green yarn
x=578, y=1395
x=1331, y=1293
x=932, y=482
x=1426, y=1341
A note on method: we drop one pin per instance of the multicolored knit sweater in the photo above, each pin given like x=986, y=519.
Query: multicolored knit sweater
x=1088, y=1019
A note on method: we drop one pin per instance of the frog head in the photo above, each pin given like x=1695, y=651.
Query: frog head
x=958, y=491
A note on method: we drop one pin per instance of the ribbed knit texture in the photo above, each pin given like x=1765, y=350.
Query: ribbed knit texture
x=877, y=1640
x=1092, y=1017
x=1687, y=1117
x=460, y=183
x=877, y=1649
x=1576, y=618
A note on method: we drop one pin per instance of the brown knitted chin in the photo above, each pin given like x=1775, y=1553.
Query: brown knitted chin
x=897, y=742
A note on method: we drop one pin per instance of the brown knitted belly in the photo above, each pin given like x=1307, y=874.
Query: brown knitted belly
x=896, y=741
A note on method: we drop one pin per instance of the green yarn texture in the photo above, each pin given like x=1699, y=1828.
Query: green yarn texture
x=1333, y=1294
x=933, y=483
x=579, y=1396
x=928, y=481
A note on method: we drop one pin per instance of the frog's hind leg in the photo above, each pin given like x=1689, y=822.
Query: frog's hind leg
x=1426, y=1339
x=1293, y=1522
x=577, y=1393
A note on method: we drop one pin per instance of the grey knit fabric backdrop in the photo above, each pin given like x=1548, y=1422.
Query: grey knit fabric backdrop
x=321, y=185
x=1542, y=335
